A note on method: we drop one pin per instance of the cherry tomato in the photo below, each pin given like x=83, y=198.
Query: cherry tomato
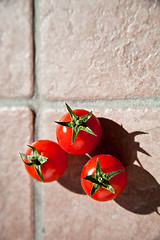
x=103, y=177
x=79, y=131
x=45, y=160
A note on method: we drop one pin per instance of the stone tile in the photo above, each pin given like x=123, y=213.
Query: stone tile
x=100, y=49
x=70, y=214
x=16, y=215
x=16, y=50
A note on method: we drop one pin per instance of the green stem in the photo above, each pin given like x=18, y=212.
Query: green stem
x=34, y=160
x=77, y=123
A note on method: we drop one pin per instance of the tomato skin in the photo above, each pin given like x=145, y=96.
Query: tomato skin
x=56, y=163
x=84, y=142
x=108, y=164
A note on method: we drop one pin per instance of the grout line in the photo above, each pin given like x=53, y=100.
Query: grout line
x=38, y=212
x=33, y=103
x=37, y=103
x=146, y=102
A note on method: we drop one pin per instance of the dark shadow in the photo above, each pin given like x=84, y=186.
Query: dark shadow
x=71, y=177
x=142, y=193
x=118, y=142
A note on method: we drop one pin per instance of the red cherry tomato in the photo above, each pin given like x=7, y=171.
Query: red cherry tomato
x=109, y=177
x=52, y=160
x=84, y=141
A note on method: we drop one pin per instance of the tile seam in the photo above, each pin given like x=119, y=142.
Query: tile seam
x=33, y=102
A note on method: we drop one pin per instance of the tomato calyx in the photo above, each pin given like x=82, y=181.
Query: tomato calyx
x=77, y=123
x=35, y=160
x=101, y=179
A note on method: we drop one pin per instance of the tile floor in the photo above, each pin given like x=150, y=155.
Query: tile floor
x=103, y=56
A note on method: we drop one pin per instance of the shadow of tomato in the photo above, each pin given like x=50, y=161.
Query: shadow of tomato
x=71, y=177
x=142, y=193
x=118, y=142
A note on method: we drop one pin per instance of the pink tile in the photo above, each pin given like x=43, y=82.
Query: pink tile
x=16, y=214
x=99, y=50
x=69, y=214
x=16, y=51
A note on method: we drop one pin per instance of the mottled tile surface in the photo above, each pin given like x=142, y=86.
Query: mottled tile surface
x=99, y=55
x=16, y=50
x=99, y=49
x=16, y=213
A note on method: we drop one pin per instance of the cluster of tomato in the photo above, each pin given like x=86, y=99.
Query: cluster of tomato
x=78, y=132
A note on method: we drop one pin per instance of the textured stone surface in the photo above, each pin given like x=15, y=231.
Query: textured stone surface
x=16, y=48
x=15, y=185
x=85, y=49
x=70, y=214
x=99, y=49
